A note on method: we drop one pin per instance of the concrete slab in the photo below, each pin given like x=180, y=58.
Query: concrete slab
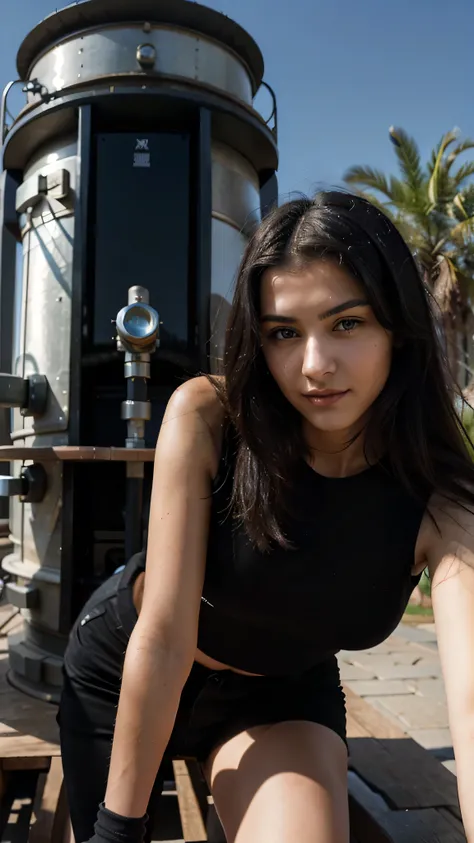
x=433, y=689
x=350, y=671
x=415, y=712
x=425, y=646
x=413, y=656
x=432, y=738
x=377, y=703
x=402, y=679
x=398, y=641
x=409, y=671
x=430, y=627
x=415, y=633
x=386, y=667
x=378, y=687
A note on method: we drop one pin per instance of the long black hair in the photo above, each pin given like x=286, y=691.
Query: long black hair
x=414, y=417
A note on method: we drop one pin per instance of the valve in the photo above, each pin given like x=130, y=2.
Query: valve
x=30, y=486
x=138, y=327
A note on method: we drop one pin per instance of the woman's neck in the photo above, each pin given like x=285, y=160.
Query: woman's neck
x=336, y=453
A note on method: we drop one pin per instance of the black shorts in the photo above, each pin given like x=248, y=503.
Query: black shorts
x=214, y=705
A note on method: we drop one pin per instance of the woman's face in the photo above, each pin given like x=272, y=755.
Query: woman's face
x=323, y=345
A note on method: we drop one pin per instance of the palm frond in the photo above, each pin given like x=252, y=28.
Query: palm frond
x=463, y=232
x=439, y=246
x=462, y=205
x=408, y=156
x=464, y=146
x=368, y=177
x=445, y=285
x=439, y=169
x=433, y=208
x=464, y=172
x=459, y=205
x=401, y=194
x=446, y=141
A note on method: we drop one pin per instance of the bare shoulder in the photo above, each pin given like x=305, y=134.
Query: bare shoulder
x=196, y=413
x=198, y=396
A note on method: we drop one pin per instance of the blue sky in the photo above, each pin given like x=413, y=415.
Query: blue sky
x=343, y=72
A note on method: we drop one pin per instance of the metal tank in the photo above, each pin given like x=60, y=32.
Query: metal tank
x=132, y=178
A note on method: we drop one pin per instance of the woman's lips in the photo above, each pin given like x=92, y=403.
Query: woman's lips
x=325, y=399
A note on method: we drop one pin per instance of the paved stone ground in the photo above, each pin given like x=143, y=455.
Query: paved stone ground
x=402, y=679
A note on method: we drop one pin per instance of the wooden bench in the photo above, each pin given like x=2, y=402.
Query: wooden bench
x=398, y=792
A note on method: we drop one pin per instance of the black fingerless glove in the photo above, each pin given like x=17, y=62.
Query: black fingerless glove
x=112, y=828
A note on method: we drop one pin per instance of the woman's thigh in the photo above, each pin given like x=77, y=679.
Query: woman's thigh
x=282, y=783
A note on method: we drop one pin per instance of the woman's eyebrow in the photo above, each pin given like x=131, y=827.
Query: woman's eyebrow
x=339, y=308
x=344, y=306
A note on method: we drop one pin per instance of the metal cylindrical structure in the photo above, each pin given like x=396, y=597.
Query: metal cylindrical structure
x=138, y=161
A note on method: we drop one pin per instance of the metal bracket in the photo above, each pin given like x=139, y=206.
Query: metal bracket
x=55, y=185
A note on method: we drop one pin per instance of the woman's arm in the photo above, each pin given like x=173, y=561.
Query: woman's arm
x=163, y=644
x=451, y=566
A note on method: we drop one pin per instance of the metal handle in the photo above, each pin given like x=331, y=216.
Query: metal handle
x=4, y=129
x=12, y=486
x=33, y=87
x=30, y=486
x=274, y=114
x=30, y=394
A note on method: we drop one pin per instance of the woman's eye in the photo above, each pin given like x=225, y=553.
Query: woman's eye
x=283, y=334
x=347, y=324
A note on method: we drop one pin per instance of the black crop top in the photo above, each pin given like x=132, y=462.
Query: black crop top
x=344, y=586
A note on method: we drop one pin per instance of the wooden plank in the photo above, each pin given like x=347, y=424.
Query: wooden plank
x=132, y=454
x=392, y=763
x=406, y=775
x=425, y=826
x=28, y=746
x=215, y=832
x=372, y=821
x=29, y=733
x=365, y=807
x=454, y=812
x=28, y=763
x=50, y=808
x=354, y=728
x=192, y=820
x=84, y=453
x=367, y=717
x=10, y=453
x=75, y=453
x=451, y=818
x=28, y=727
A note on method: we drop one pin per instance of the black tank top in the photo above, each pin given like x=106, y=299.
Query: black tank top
x=345, y=585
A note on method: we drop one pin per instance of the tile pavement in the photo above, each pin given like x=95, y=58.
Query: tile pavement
x=402, y=679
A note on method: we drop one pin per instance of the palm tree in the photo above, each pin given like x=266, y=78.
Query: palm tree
x=433, y=207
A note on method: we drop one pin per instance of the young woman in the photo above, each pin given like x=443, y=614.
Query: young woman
x=295, y=504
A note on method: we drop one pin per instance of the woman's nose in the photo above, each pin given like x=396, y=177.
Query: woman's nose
x=318, y=359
